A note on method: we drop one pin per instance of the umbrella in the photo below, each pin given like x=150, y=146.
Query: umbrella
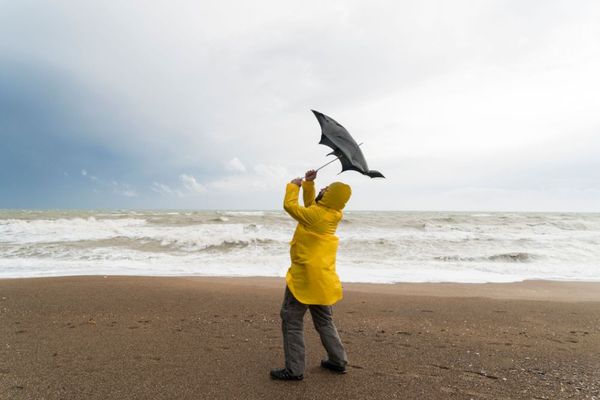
x=344, y=147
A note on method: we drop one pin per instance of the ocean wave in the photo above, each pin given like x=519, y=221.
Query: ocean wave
x=242, y=213
x=419, y=226
x=516, y=257
x=123, y=248
x=513, y=257
x=445, y=219
x=71, y=229
x=230, y=245
x=433, y=245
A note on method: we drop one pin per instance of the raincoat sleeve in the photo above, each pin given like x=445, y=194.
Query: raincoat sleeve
x=308, y=193
x=304, y=215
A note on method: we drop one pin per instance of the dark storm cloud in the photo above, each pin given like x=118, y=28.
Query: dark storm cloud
x=186, y=104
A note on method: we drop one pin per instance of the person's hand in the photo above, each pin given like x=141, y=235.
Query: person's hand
x=297, y=181
x=310, y=175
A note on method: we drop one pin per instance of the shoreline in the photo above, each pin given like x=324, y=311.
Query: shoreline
x=535, y=289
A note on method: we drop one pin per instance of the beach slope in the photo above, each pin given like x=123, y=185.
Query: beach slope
x=217, y=338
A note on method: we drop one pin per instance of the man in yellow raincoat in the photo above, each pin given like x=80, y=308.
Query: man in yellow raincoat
x=312, y=282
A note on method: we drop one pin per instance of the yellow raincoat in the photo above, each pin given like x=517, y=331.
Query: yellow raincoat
x=312, y=278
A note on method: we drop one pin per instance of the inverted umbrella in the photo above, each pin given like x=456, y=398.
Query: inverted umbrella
x=344, y=147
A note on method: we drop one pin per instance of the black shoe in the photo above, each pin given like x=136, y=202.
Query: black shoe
x=283, y=375
x=332, y=367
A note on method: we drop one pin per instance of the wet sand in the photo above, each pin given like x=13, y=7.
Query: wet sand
x=217, y=338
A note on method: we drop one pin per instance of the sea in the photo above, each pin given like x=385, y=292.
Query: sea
x=375, y=246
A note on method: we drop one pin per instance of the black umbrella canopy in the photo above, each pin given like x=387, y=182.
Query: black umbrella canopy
x=344, y=146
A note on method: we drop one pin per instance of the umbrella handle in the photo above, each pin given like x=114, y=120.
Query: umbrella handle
x=337, y=158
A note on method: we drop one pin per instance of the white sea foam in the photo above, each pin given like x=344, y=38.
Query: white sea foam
x=374, y=247
x=243, y=213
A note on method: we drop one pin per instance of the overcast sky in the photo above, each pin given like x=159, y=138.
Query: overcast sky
x=463, y=105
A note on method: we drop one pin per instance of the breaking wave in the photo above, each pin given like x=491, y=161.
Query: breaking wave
x=517, y=257
x=374, y=246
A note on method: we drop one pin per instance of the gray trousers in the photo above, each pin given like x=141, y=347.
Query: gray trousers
x=292, y=324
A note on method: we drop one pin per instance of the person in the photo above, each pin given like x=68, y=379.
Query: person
x=311, y=281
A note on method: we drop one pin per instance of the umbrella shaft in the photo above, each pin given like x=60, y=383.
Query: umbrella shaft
x=324, y=165
x=337, y=158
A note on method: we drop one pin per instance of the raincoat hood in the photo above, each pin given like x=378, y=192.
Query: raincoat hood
x=336, y=196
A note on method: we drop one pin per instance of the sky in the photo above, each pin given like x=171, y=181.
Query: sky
x=463, y=105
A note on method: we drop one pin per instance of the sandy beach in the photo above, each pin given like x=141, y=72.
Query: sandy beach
x=217, y=338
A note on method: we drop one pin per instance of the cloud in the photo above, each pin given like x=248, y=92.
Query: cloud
x=190, y=184
x=275, y=172
x=262, y=178
x=235, y=165
x=87, y=175
x=127, y=192
x=123, y=189
x=165, y=190
x=100, y=185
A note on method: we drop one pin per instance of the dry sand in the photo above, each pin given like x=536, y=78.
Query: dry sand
x=217, y=338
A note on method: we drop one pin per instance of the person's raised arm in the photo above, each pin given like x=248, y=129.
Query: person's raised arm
x=301, y=214
x=308, y=188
